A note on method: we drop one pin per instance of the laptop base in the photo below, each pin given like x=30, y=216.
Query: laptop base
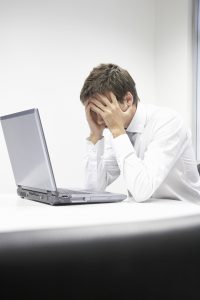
x=56, y=198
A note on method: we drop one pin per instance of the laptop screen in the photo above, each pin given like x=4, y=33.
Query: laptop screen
x=27, y=150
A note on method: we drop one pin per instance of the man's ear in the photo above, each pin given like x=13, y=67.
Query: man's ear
x=128, y=99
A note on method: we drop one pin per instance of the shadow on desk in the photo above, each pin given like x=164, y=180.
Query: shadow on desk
x=146, y=260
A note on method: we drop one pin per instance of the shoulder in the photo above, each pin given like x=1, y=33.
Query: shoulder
x=165, y=123
x=160, y=116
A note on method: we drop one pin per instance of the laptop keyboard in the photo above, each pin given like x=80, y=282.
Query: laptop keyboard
x=66, y=191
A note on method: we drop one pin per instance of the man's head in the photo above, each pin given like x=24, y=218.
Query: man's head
x=107, y=78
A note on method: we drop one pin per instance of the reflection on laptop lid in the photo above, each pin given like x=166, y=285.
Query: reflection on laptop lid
x=32, y=167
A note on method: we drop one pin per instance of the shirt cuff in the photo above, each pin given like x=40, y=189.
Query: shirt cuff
x=123, y=148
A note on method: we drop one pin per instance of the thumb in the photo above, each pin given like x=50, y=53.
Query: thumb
x=128, y=110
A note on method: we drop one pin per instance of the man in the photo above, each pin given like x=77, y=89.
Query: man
x=148, y=145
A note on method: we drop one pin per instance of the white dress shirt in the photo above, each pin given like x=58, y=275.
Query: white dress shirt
x=155, y=158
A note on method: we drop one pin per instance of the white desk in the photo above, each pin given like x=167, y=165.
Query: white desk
x=20, y=214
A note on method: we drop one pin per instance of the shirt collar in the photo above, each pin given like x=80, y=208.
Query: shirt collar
x=139, y=120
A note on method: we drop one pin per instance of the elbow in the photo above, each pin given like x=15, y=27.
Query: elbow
x=140, y=198
x=141, y=194
x=142, y=185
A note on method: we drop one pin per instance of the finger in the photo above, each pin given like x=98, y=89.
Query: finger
x=91, y=116
x=113, y=98
x=87, y=102
x=87, y=107
x=89, y=112
x=104, y=99
x=98, y=104
x=97, y=109
x=128, y=109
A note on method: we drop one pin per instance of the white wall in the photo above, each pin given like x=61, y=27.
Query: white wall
x=47, y=50
x=173, y=56
x=49, y=47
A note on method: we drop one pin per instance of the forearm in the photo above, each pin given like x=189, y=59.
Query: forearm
x=139, y=177
x=144, y=174
x=99, y=175
x=101, y=167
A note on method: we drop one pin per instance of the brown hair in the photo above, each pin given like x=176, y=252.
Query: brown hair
x=109, y=78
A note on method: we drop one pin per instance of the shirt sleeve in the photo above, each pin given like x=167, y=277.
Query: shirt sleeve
x=143, y=176
x=101, y=167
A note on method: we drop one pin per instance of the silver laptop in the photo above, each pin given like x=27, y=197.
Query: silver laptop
x=32, y=167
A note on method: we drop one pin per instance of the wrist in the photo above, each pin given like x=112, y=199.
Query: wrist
x=118, y=132
x=94, y=138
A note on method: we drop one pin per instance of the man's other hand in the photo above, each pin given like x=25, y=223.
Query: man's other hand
x=96, y=130
x=109, y=110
